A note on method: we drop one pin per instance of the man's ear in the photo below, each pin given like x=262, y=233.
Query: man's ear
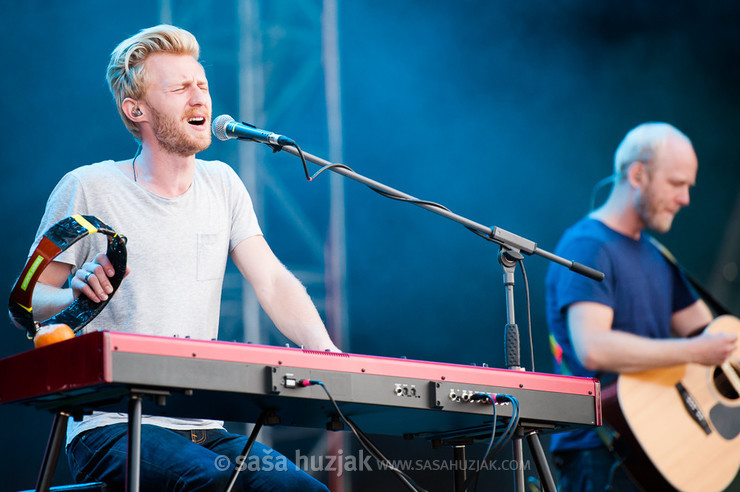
x=131, y=109
x=636, y=174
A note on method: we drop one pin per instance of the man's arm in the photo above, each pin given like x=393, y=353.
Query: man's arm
x=690, y=320
x=600, y=348
x=281, y=295
x=50, y=296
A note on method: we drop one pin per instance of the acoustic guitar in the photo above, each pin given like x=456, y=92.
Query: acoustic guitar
x=681, y=424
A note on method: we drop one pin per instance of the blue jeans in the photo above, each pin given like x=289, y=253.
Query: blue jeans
x=591, y=470
x=184, y=461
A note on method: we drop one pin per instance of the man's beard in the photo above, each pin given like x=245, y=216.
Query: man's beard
x=649, y=214
x=172, y=139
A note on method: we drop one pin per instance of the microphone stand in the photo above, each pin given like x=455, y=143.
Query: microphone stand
x=508, y=259
x=510, y=252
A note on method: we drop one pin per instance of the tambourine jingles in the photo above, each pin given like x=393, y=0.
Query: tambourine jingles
x=58, y=238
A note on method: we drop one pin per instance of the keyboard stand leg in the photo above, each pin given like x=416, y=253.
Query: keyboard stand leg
x=540, y=461
x=459, y=460
x=247, y=447
x=51, y=455
x=133, y=457
x=518, y=452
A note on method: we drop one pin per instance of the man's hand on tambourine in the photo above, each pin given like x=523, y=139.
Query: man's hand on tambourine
x=92, y=279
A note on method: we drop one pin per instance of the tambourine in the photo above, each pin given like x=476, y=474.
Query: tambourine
x=58, y=238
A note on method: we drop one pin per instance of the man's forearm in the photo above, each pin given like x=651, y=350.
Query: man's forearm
x=294, y=314
x=617, y=351
x=49, y=300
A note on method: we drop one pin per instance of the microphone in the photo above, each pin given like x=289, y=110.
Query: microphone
x=225, y=127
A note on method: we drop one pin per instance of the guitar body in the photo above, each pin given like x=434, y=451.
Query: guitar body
x=684, y=420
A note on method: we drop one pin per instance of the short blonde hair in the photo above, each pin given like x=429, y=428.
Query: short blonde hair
x=126, y=76
x=640, y=145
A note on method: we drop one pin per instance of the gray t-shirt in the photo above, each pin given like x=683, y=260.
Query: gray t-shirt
x=177, y=251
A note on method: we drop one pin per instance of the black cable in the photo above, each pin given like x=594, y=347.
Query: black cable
x=392, y=196
x=365, y=441
x=526, y=291
x=415, y=201
x=476, y=473
x=321, y=170
x=506, y=436
x=600, y=184
x=303, y=161
x=495, y=417
x=495, y=446
x=510, y=428
x=529, y=311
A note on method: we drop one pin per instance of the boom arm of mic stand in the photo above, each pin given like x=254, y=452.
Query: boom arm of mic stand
x=500, y=236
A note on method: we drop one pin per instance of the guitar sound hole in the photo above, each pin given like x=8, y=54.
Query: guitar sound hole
x=723, y=384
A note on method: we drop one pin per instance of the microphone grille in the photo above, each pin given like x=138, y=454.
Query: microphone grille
x=219, y=126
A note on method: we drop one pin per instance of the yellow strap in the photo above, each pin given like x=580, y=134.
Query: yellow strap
x=84, y=223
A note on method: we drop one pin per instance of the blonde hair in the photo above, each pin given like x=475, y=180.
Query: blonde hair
x=640, y=145
x=126, y=75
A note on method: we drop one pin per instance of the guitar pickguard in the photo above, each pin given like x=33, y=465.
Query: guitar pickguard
x=726, y=420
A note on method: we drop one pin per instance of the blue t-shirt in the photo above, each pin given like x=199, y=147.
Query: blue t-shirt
x=640, y=285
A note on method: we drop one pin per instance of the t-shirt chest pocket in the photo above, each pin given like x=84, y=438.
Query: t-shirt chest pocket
x=211, y=256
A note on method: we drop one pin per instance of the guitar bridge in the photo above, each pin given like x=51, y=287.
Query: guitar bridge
x=693, y=408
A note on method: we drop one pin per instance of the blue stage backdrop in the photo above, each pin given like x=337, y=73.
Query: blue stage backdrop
x=505, y=112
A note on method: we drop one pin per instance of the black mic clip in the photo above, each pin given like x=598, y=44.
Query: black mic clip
x=275, y=147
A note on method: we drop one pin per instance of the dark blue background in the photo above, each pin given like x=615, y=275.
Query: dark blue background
x=505, y=112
